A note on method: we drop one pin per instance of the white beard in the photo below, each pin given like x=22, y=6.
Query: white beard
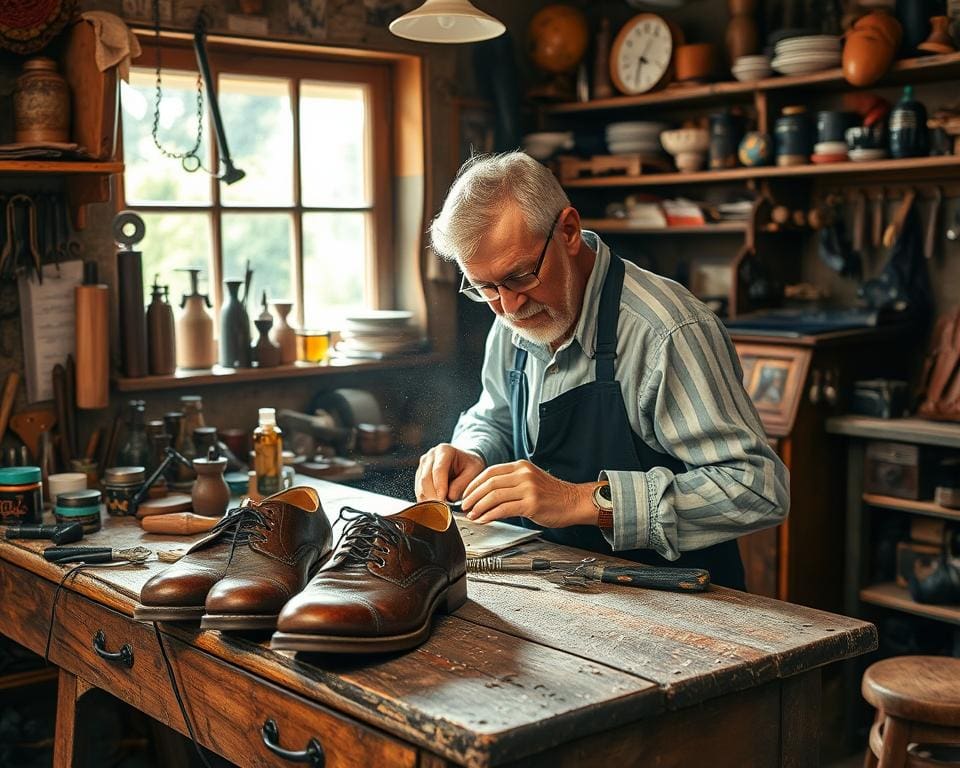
x=559, y=320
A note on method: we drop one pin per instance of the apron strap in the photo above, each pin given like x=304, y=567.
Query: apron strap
x=519, y=395
x=607, y=315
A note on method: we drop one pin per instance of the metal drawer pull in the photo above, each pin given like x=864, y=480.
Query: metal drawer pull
x=313, y=754
x=123, y=656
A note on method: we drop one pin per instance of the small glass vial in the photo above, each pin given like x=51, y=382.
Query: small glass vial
x=268, y=453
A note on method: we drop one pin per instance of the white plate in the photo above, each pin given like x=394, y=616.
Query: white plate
x=387, y=316
x=802, y=67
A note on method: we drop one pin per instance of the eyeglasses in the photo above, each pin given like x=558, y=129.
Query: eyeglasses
x=516, y=284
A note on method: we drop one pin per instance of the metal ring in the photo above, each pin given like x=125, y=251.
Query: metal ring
x=190, y=163
x=120, y=223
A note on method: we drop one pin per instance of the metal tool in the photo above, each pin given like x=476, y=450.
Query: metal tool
x=172, y=454
x=136, y=555
x=58, y=534
x=501, y=583
x=588, y=569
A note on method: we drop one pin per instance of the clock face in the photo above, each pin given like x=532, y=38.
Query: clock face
x=641, y=54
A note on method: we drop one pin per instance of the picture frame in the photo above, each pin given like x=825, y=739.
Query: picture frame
x=773, y=378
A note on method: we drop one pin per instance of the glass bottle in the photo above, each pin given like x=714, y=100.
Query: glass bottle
x=192, y=407
x=268, y=452
x=135, y=451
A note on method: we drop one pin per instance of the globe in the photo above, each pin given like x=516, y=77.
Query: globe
x=558, y=38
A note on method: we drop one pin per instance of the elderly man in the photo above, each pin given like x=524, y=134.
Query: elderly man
x=612, y=414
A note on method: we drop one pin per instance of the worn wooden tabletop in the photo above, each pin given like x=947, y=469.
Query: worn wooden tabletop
x=514, y=671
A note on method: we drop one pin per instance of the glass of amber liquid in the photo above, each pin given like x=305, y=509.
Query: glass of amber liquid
x=312, y=346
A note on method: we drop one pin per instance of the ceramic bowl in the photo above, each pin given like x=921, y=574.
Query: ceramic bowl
x=688, y=146
x=865, y=137
x=544, y=144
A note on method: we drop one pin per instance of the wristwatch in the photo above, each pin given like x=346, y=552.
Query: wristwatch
x=603, y=501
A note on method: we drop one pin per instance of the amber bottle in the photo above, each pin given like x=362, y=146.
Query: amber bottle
x=268, y=452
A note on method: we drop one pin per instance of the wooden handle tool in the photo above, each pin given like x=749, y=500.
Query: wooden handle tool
x=178, y=523
x=6, y=401
x=60, y=403
x=70, y=430
x=30, y=423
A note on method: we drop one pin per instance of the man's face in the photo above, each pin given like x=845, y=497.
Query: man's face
x=544, y=313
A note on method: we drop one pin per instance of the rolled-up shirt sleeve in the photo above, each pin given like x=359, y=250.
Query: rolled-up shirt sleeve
x=698, y=412
x=485, y=428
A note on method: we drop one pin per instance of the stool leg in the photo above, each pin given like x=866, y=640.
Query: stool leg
x=874, y=739
x=896, y=735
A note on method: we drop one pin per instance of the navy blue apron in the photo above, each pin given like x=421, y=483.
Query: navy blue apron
x=587, y=430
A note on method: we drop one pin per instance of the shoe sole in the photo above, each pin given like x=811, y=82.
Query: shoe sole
x=447, y=601
x=238, y=621
x=168, y=613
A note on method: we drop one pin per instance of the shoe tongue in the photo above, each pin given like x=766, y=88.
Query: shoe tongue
x=302, y=496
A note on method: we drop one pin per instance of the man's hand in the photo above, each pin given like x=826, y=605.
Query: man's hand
x=522, y=489
x=445, y=471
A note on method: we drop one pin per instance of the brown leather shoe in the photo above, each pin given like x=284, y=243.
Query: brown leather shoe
x=179, y=592
x=283, y=537
x=380, y=589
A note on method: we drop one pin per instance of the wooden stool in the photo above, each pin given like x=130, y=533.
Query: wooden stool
x=917, y=699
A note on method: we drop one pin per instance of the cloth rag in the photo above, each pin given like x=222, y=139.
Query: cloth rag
x=116, y=44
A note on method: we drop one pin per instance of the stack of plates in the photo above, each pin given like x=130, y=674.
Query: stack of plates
x=749, y=68
x=807, y=53
x=377, y=333
x=634, y=137
x=738, y=210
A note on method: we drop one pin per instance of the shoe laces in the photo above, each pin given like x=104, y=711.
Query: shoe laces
x=367, y=537
x=248, y=524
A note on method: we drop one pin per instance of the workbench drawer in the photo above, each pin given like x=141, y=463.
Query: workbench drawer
x=232, y=712
x=24, y=606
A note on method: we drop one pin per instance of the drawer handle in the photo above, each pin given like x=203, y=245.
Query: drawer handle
x=313, y=754
x=123, y=656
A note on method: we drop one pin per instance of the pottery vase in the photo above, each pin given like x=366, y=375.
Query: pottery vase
x=265, y=352
x=41, y=103
x=742, y=37
x=210, y=494
x=914, y=15
x=939, y=40
x=234, y=329
x=282, y=334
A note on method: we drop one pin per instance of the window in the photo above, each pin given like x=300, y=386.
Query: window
x=313, y=214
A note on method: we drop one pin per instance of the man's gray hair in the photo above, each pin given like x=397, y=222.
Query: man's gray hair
x=484, y=185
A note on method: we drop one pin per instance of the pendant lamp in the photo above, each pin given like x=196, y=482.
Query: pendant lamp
x=447, y=21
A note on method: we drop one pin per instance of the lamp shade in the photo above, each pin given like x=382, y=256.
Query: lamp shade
x=447, y=21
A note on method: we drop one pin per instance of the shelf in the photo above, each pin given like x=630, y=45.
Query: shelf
x=900, y=170
x=628, y=227
x=187, y=379
x=907, y=505
x=921, y=431
x=58, y=166
x=923, y=69
x=30, y=677
x=889, y=595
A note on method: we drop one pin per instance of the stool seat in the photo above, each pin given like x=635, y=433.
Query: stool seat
x=922, y=689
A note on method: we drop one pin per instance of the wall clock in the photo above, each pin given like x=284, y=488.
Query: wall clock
x=642, y=53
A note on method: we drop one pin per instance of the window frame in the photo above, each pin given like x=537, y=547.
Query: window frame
x=237, y=58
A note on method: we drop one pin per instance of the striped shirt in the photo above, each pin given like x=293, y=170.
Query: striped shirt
x=682, y=387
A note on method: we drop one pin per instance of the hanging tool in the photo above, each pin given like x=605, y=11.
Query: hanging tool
x=677, y=579
x=876, y=230
x=933, y=223
x=6, y=400
x=892, y=232
x=136, y=555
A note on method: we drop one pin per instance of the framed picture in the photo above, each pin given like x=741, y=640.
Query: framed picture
x=773, y=376
x=473, y=130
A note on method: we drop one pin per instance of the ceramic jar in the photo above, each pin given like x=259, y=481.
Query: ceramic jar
x=21, y=497
x=755, y=149
x=282, y=334
x=79, y=507
x=265, y=352
x=793, y=136
x=120, y=485
x=725, y=134
x=210, y=494
x=41, y=103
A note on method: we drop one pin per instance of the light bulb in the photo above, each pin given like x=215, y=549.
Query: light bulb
x=446, y=22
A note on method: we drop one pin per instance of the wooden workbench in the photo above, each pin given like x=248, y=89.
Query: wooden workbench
x=619, y=676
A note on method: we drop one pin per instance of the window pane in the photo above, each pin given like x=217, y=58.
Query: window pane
x=266, y=239
x=150, y=177
x=334, y=266
x=334, y=145
x=175, y=240
x=258, y=122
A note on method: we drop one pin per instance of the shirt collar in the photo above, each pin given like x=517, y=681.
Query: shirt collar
x=585, y=333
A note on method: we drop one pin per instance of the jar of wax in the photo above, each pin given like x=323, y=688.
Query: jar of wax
x=79, y=507
x=21, y=498
x=120, y=484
